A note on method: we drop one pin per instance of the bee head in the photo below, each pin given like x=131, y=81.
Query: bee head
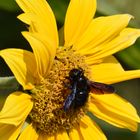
x=76, y=73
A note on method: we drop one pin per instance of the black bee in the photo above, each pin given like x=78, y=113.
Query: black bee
x=80, y=87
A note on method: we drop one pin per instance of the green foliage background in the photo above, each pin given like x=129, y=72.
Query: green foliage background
x=10, y=37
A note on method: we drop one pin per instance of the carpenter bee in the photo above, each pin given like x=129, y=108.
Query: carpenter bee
x=80, y=87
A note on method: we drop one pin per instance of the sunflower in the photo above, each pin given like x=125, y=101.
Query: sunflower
x=88, y=44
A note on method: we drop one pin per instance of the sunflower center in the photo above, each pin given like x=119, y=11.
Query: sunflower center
x=48, y=113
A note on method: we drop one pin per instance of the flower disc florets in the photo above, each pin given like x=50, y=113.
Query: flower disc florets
x=48, y=113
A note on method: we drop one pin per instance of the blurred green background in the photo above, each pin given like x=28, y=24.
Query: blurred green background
x=10, y=37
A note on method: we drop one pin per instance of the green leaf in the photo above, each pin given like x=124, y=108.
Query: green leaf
x=8, y=83
x=7, y=86
x=9, y=5
x=109, y=7
x=130, y=57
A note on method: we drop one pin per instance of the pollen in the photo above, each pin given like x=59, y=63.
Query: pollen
x=48, y=113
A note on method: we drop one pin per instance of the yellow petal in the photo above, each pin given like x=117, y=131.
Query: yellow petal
x=40, y=17
x=90, y=130
x=40, y=33
x=78, y=17
x=126, y=38
x=26, y=18
x=23, y=5
x=23, y=65
x=9, y=132
x=29, y=133
x=42, y=53
x=40, y=13
x=114, y=110
x=62, y=136
x=75, y=134
x=16, y=108
x=110, y=71
x=101, y=30
x=46, y=137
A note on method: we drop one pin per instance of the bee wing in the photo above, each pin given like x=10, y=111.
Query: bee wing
x=69, y=100
x=101, y=87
